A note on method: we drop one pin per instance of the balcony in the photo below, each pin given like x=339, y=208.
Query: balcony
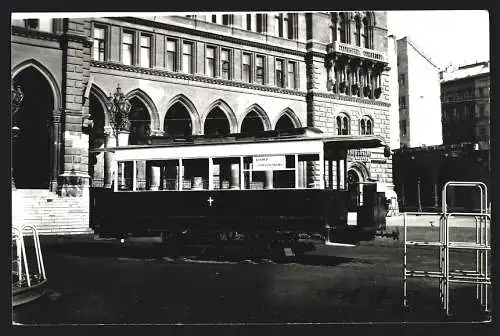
x=351, y=50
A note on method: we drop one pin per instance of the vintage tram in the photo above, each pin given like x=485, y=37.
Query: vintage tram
x=261, y=186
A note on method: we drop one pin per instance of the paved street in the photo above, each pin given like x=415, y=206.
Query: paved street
x=99, y=281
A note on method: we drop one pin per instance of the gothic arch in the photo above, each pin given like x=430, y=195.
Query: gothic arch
x=188, y=104
x=361, y=170
x=290, y=114
x=102, y=98
x=260, y=112
x=45, y=73
x=370, y=16
x=228, y=111
x=148, y=102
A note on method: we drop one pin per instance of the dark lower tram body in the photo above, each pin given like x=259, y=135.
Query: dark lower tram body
x=261, y=216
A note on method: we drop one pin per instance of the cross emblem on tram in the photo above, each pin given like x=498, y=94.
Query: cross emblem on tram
x=210, y=200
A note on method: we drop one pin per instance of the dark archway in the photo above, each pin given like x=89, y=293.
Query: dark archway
x=252, y=123
x=140, y=123
x=32, y=147
x=353, y=180
x=284, y=123
x=97, y=140
x=140, y=129
x=216, y=123
x=178, y=121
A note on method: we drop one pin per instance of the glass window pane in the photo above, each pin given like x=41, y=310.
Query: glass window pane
x=187, y=48
x=99, y=33
x=246, y=59
x=224, y=55
x=210, y=52
x=127, y=38
x=259, y=60
x=170, y=45
x=145, y=41
x=145, y=58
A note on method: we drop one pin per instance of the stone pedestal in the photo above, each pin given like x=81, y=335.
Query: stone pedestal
x=123, y=138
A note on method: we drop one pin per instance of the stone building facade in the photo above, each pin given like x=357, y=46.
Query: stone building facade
x=194, y=74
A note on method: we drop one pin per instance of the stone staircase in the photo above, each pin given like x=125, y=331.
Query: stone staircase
x=49, y=213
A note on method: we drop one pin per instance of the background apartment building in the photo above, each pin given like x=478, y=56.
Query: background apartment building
x=419, y=97
x=194, y=74
x=465, y=100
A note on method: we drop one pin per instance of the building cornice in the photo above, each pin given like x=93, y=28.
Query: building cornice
x=192, y=77
x=211, y=35
x=347, y=98
x=47, y=36
x=36, y=34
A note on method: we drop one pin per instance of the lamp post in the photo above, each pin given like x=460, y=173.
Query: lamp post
x=16, y=98
x=119, y=107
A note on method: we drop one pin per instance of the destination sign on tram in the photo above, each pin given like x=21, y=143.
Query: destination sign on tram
x=275, y=162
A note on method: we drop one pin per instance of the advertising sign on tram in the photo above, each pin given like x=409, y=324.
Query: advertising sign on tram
x=274, y=162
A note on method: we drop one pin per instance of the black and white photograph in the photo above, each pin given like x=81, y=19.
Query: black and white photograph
x=250, y=168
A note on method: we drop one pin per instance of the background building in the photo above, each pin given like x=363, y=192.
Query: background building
x=419, y=97
x=421, y=172
x=465, y=100
x=195, y=74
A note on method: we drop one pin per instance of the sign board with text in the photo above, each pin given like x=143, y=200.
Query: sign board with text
x=275, y=162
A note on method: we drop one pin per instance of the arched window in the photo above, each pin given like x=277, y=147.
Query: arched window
x=343, y=124
x=341, y=24
x=357, y=32
x=366, y=125
x=367, y=37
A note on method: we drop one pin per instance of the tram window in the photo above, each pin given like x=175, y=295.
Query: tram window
x=306, y=177
x=280, y=175
x=195, y=174
x=170, y=175
x=140, y=179
x=226, y=173
x=125, y=175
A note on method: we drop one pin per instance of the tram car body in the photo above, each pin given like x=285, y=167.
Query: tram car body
x=264, y=185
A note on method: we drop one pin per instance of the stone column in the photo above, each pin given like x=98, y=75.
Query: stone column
x=269, y=179
x=235, y=176
x=56, y=148
x=337, y=77
x=110, y=141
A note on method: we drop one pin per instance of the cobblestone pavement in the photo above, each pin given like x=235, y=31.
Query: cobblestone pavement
x=103, y=282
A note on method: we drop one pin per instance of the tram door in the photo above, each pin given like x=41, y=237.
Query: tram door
x=353, y=188
x=373, y=211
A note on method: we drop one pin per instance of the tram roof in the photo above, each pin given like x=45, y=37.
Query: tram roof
x=296, y=134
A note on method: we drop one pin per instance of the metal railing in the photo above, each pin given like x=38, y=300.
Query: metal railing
x=20, y=268
x=479, y=275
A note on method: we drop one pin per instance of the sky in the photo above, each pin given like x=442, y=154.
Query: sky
x=445, y=36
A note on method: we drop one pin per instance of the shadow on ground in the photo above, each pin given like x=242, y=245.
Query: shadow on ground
x=113, y=249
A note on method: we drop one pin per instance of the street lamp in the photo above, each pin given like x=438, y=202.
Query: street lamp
x=119, y=107
x=16, y=98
